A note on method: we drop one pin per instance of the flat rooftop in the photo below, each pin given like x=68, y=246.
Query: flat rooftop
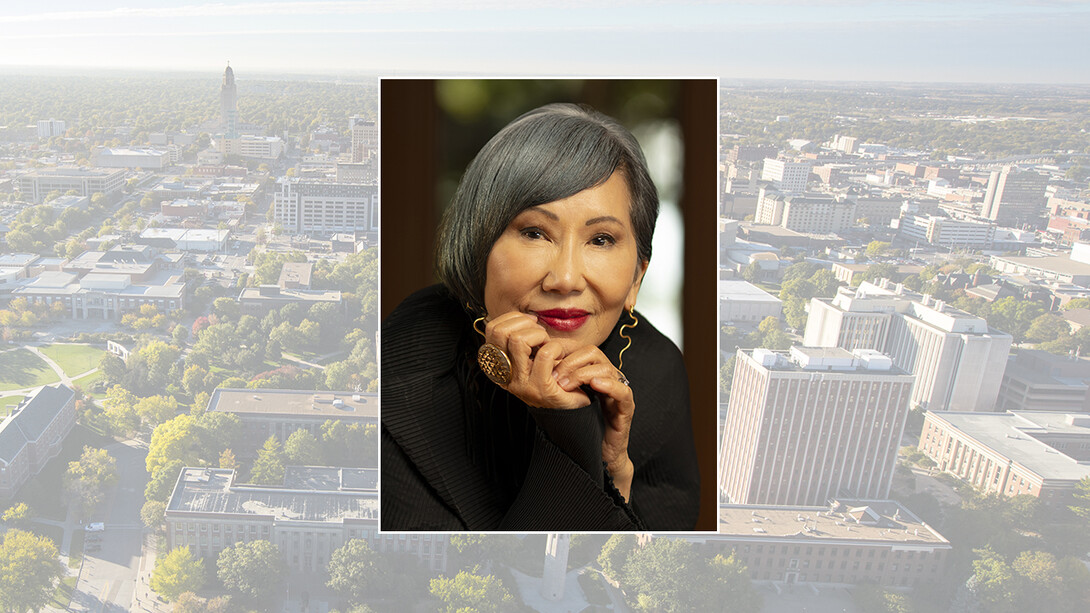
x=328, y=405
x=743, y=291
x=1011, y=435
x=873, y=521
x=330, y=479
x=305, y=295
x=212, y=490
x=1061, y=264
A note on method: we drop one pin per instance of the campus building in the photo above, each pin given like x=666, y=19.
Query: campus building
x=315, y=512
x=955, y=356
x=33, y=433
x=258, y=301
x=1015, y=197
x=279, y=413
x=325, y=207
x=812, y=424
x=785, y=175
x=1037, y=380
x=839, y=544
x=741, y=301
x=36, y=185
x=1039, y=453
x=808, y=214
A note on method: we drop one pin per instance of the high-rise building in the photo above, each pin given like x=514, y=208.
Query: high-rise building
x=957, y=359
x=364, y=138
x=326, y=207
x=785, y=175
x=1015, y=197
x=812, y=425
x=48, y=128
x=810, y=214
x=229, y=103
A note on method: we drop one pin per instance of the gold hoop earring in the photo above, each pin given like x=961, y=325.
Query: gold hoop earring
x=621, y=333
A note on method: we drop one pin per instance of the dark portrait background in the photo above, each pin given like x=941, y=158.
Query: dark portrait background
x=429, y=132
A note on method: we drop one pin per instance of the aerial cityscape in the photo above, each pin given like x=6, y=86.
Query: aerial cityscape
x=189, y=316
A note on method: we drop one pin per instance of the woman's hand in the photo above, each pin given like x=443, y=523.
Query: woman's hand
x=534, y=359
x=543, y=376
x=589, y=366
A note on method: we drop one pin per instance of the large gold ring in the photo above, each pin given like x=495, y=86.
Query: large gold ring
x=494, y=364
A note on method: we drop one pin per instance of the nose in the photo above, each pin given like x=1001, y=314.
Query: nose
x=566, y=271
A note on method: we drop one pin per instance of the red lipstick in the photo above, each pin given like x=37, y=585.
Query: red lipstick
x=563, y=320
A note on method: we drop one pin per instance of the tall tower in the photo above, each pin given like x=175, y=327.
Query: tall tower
x=1015, y=197
x=229, y=103
x=816, y=424
x=556, y=566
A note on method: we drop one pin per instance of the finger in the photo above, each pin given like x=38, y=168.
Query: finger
x=580, y=358
x=622, y=405
x=500, y=331
x=584, y=374
x=521, y=344
x=541, y=373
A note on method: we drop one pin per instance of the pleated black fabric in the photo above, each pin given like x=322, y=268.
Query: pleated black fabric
x=522, y=469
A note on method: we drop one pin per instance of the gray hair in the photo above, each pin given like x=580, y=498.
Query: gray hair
x=547, y=154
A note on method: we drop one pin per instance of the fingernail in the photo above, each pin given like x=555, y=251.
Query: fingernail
x=564, y=382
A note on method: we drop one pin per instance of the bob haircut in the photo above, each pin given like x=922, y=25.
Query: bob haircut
x=547, y=154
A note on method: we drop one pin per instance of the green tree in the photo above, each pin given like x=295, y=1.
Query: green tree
x=665, y=576
x=726, y=375
x=1047, y=327
x=1081, y=502
x=471, y=592
x=188, y=602
x=877, y=248
x=119, y=406
x=86, y=480
x=268, y=468
x=154, y=410
x=18, y=515
x=302, y=449
x=153, y=513
x=994, y=581
x=356, y=571
x=253, y=569
x=30, y=568
x=615, y=554
x=162, y=481
x=728, y=581
x=177, y=572
x=174, y=440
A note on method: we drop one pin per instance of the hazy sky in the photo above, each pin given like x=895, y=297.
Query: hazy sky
x=907, y=40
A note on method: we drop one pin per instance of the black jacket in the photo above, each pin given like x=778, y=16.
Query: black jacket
x=434, y=473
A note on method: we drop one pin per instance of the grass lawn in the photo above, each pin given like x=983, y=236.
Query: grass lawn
x=86, y=382
x=74, y=359
x=5, y=401
x=20, y=368
x=75, y=551
x=62, y=597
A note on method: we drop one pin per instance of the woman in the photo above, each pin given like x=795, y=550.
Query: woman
x=502, y=407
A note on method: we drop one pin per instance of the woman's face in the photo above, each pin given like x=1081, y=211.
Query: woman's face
x=571, y=263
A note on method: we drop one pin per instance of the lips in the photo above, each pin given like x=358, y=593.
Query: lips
x=563, y=320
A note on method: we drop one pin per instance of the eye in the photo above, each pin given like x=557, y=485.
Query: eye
x=603, y=240
x=532, y=233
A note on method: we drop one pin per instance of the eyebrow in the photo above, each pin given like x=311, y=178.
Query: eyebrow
x=590, y=222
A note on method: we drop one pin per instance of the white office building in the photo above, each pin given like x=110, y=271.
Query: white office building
x=957, y=359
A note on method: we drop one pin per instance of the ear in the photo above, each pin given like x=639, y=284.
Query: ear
x=633, y=292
